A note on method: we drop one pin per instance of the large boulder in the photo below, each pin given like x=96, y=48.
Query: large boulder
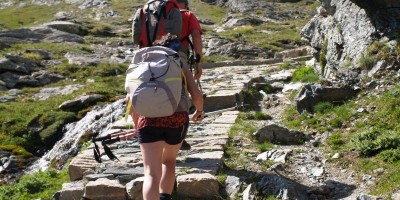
x=312, y=94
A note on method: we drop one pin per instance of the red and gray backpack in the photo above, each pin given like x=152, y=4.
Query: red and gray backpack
x=155, y=19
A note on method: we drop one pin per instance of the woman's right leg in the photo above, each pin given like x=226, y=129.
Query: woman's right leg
x=168, y=168
x=152, y=161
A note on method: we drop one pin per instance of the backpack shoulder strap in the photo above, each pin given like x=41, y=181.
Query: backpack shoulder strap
x=162, y=12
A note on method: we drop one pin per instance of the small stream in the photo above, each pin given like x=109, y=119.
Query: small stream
x=97, y=121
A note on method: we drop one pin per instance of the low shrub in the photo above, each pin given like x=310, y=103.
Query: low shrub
x=305, y=74
x=371, y=142
x=367, y=62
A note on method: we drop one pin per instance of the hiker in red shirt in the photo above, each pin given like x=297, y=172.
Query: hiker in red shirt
x=191, y=27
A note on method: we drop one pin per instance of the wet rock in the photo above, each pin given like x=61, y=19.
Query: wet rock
x=81, y=102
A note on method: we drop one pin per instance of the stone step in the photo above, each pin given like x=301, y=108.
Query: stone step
x=196, y=167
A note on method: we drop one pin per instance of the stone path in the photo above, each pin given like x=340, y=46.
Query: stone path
x=196, y=168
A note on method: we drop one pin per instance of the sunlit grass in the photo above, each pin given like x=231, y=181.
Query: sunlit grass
x=29, y=15
x=40, y=185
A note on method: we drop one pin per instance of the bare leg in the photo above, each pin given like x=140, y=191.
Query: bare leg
x=168, y=168
x=152, y=154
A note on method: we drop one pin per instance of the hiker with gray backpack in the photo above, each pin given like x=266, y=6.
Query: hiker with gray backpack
x=158, y=85
x=156, y=18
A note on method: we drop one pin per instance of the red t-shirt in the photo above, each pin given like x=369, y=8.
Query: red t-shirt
x=189, y=23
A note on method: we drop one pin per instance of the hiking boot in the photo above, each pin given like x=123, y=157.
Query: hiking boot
x=185, y=145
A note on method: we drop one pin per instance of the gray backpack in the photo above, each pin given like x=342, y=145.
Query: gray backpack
x=154, y=81
x=155, y=19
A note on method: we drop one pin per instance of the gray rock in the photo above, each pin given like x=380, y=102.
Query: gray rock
x=44, y=77
x=280, y=135
x=72, y=190
x=280, y=187
x=81, y=102
x=64, y=26
x=207, y=186
x=105, y=189
x=60, y=37
x=312, y=94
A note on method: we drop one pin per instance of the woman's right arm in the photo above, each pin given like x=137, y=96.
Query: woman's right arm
x=197, y=96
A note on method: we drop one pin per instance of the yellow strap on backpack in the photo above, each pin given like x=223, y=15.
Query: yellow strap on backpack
x=128, y=109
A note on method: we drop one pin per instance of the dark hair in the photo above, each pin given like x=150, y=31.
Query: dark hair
x=168, y=40
x=184, y=1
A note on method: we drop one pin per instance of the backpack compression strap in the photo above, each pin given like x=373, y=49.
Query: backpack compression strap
x=148, y=21
x=162, y=11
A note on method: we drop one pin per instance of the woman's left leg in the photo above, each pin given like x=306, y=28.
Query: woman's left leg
x=152, y=159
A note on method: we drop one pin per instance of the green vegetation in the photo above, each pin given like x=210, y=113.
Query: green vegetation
x=29, y=15
x=286, y=65
x=216, y=58
x=379, y=51
x=242, y=127
x=265, y=146
x=367, y=62
x=203, y=10
x=256, y=116
x=275, y=36
x=58, y=50
x=326, y=117
x=373, y=142
x=17, y=151
x=40, y=185
x=322, y=56
x=305, y=74
x=255, y=35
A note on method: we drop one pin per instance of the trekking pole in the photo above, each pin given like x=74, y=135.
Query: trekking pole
x=238, y=105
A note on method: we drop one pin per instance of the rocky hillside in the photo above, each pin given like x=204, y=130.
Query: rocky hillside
x=79, y=50
x=342, y=31
x=60, y=59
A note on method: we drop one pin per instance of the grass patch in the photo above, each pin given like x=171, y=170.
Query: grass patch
x=17, y=115
x=376, y=140
x=326, y=117
x=203, y=10
x=322, y=56
x=58, y=50
x=216, y=58
x=40, y=185
x=258, y=115
x=24, y=16
x=336, y=141
x=388, y=182
x=82, y=73
x=305, y=74
x=265, y=146
x=286, y=65
x=267, y=36
x=242, y=127
x=16, y=118
x=367, y=62
x=17, y=151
